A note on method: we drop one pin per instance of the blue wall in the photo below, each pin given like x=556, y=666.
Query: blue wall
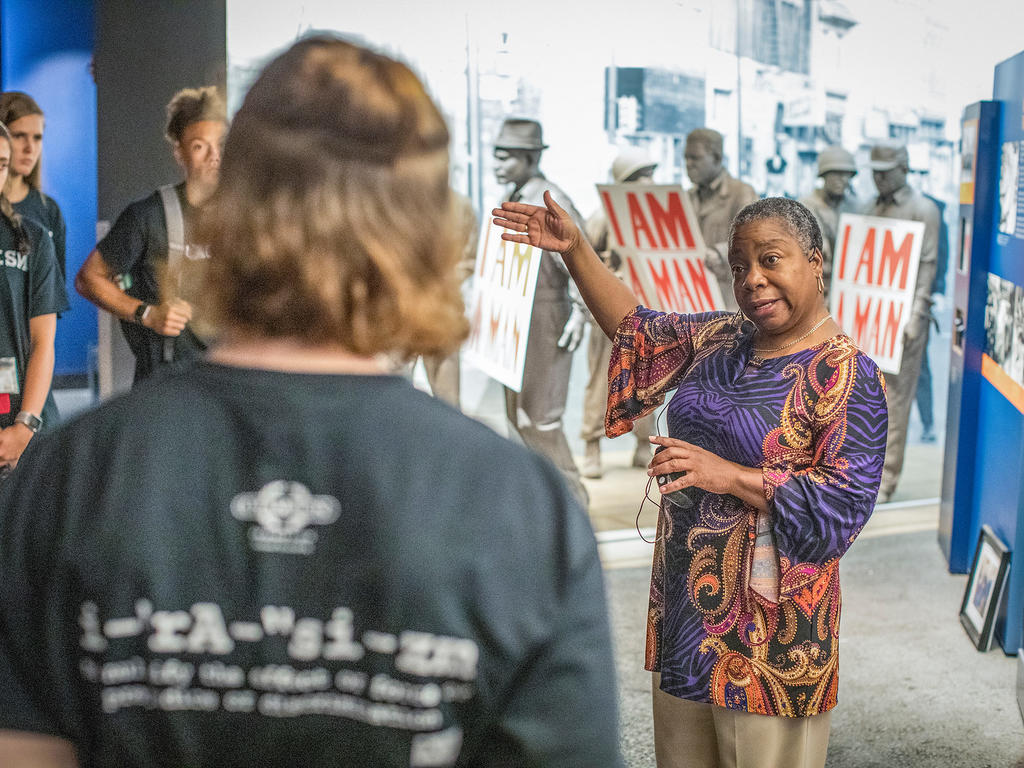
x=998, y=481
x=1007, y=510
x=958, y=518
x=46, y=50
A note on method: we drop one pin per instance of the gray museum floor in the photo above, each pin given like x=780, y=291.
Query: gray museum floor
x=914, y=690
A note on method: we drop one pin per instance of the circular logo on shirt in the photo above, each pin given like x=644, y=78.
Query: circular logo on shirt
x=283, y=509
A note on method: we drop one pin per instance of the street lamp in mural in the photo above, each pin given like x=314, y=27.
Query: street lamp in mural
x=497, y=81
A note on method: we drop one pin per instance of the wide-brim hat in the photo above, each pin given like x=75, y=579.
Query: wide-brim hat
x=629, y=161
x=519, y=133
x=886, y=155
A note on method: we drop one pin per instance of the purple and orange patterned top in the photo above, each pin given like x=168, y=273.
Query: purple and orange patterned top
x=815, y=421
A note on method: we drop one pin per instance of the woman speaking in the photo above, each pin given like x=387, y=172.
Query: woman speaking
x=777, y=428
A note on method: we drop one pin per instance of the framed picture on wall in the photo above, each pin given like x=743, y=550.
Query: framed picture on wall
x=985, y=588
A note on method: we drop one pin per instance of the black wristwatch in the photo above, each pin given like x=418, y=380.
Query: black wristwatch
x=30, y=420
x=140, y=312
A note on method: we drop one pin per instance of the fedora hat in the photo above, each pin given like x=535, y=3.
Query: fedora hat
x=518, y=133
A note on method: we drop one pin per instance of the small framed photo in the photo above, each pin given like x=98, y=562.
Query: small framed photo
x=985, y=588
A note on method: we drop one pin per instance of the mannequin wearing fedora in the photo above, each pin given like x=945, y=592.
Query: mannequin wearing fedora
x=633, y=165
x=836, y=167
x=897, y=200
x=559, y=315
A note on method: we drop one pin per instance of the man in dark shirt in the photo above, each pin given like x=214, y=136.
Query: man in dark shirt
x=130, y=274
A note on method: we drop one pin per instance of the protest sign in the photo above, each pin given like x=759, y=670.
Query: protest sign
x=501, y=305
x=654, y=229
x=873, y=279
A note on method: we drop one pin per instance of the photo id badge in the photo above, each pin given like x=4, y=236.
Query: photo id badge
x=9, y=376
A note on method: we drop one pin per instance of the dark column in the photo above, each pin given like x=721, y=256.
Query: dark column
x=145, y=52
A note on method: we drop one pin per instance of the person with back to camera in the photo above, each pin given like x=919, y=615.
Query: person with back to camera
x=778, y=427
x=31, y=295
x=25, y=121
x=338, y=580
x=153, y=245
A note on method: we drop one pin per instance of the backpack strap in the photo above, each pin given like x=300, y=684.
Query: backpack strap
x=175, y=247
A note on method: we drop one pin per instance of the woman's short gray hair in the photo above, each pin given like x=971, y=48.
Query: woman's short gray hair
x=797, y=218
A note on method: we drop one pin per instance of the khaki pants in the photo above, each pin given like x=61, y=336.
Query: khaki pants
x=689, y=734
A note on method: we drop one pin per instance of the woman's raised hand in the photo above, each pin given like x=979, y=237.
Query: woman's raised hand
x=548, y=228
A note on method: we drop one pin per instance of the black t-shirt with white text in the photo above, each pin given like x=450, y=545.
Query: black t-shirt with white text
x=300, y=569
x=30, y=286
x=136, y=246
x=44, y=211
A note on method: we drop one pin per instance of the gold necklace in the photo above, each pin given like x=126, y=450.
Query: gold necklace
x=817, y=325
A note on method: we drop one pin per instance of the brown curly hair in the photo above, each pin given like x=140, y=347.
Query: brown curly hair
x=192, y=105
x=332, y=222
